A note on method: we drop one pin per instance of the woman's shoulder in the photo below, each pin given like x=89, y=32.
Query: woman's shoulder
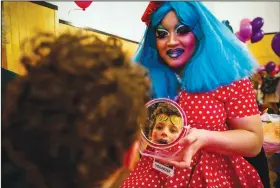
x=236, y=88
x=242, y=85
x=223, y=93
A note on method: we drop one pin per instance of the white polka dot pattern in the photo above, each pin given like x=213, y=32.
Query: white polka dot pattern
x=207, y=111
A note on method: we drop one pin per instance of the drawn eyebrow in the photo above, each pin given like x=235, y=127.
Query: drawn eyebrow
x=160, y=27
x=178, y=25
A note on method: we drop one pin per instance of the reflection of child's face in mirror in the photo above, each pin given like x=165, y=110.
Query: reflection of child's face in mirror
x=166, y=128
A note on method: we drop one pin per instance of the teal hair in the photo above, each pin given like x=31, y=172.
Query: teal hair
x=219, y=59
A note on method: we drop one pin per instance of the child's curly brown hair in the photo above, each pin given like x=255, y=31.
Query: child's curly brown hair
x=70, y=119
x=165, y=108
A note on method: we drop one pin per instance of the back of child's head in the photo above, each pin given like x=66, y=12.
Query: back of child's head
x=70, y=119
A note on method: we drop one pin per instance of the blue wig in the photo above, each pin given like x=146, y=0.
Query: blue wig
x=219, y=59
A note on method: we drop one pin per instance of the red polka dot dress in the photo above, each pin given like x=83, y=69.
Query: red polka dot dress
x=208, y=111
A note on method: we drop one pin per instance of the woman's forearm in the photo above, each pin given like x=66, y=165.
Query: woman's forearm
x=233, y=142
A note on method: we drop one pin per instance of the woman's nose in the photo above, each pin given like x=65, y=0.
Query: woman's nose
x=172, y=40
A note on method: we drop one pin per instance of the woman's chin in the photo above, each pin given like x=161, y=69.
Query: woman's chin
x=175, y=64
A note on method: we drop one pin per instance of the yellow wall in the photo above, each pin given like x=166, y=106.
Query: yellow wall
x=24, y=20
x=129, y=47
x=262, y=50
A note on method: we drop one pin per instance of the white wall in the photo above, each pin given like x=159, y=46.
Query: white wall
x=236, y=11
x=118, y=18
x=123, y=18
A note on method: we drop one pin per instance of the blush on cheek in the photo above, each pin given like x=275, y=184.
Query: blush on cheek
x=154, y=136
x=189, y=39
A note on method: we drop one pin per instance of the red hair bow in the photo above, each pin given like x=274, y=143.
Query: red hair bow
x=151, y=8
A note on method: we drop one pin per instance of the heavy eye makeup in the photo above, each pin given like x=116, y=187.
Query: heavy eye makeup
x=161, y=32
x=182, y=29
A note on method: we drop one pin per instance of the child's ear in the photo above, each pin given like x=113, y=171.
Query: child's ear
x=131, y=156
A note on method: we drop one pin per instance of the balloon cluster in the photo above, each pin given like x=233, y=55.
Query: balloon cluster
x=275, y=44
x=271, y=68
x=257, y=34
x=250, y=30
x=83, y=4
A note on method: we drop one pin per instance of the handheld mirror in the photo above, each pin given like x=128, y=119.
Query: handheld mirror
x=165, y=125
